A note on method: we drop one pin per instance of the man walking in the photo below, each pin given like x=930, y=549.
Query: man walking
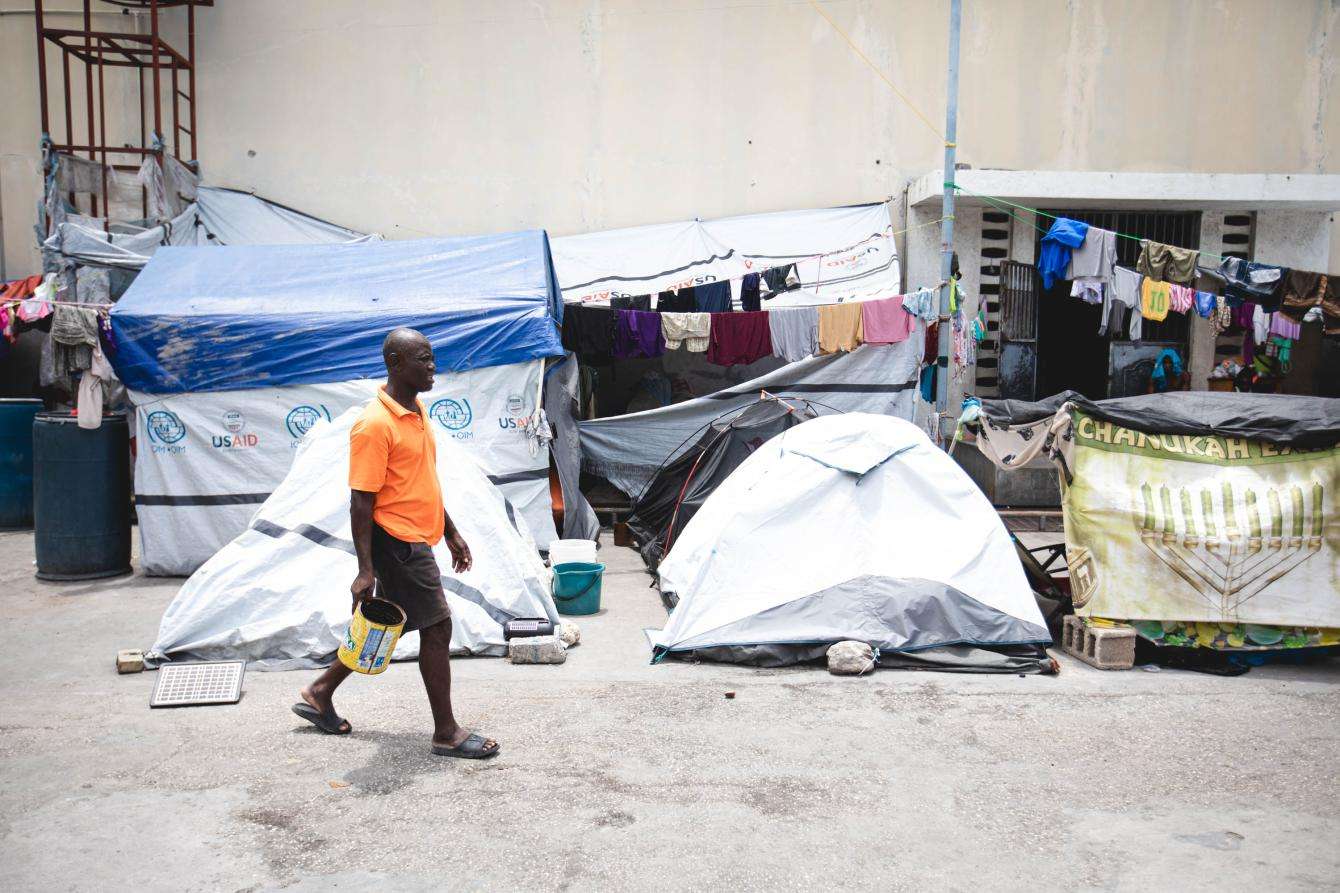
x=398, y=515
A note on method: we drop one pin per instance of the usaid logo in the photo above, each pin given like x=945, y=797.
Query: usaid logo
x=233, y=421
x=516, y=405
x=164, y=427
x=454, y=415
x=300, y=419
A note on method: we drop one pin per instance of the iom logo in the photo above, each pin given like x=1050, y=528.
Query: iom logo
x=300, y=419
x=164, y=427
x=454, y=415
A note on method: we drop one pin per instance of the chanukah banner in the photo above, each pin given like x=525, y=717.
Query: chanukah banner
x=1198, y=528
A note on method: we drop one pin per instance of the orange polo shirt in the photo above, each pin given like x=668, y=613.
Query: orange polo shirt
x=392, y=453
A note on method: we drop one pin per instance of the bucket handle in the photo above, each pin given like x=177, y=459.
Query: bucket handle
x=595, y=578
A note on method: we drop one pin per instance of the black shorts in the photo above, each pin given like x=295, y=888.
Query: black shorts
x=407, y=574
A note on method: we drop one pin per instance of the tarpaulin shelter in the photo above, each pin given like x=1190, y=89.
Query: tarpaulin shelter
x=669, y=502
x=278, y=594
x=841, y=254
x=1203, y=518
x=628, y=450
x=851, y=526
x=232, y=353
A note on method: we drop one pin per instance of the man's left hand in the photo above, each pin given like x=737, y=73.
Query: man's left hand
x=460, y=554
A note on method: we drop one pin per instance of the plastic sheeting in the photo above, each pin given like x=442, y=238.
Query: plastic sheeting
x=840, y=254
x=628, y=450
x=1299, y=421
x=849, y=526
x=561, y=405
x=218, y=217
x=259, y=316
x=205, y=461
x=278, y=595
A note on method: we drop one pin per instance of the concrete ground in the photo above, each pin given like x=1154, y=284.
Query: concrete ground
x=620, y=775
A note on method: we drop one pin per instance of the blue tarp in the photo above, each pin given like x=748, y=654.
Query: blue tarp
x=252, y=316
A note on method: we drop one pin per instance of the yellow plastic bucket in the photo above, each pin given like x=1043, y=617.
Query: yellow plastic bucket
x=373, y=632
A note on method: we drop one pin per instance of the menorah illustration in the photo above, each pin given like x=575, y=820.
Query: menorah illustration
x=1225, y=565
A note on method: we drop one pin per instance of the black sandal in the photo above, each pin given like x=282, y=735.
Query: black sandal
x=472, y=748
x=330, y=723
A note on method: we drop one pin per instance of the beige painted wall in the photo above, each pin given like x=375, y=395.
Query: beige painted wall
x=412, y=117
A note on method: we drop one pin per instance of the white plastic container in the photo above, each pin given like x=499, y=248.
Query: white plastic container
x=564, y=551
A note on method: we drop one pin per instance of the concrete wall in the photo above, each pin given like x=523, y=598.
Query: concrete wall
x=411, y=117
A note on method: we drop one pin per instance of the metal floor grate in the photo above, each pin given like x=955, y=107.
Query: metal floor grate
x=206, y=682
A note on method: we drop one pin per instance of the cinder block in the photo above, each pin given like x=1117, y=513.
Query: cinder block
x=129, y=661
x=1107, y=648
x=536, y=650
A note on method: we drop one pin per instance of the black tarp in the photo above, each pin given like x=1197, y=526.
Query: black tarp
x=681, y=486
x=1286, y=419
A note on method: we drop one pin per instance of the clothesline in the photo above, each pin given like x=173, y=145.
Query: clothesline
x=809, y=257
x=998, y=202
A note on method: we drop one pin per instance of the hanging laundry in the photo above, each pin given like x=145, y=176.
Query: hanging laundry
x=1303, y=291
x=749, y=292
x=691, y=330
x=924, y=303
x=1095, y=258
x=1181, y=298
x=38, y=307
x=92, y=390
x=714, y=297
x=840, y=327
x=589, y=332
x=675, y=301
x=1126, y=287
x=1111, y=319
x=1054, y=257
x=1167, y=263
x=1223, y=315
x=928, y=384
x=886, y=321
x=105, y=336
x=1261, y=324
x=1283, y=326
x=1248, y=281
x=19, y=289
x=637, y=334
x=1154, y=299
x=795, y=332
x=1090, y=291
x=781, y=279
x=930, y=349
x=738, y=339
x=1205, y=303
x=641, y=302
x=1244, y=316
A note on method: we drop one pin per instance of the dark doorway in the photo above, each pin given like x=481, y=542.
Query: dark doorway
x=1071, y=353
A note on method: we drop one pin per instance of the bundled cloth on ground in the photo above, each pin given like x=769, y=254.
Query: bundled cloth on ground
x=278, y=594
x=628, y=450
x=839, y=254
x=849, y=526
x=233, y=353
x=1209, y=509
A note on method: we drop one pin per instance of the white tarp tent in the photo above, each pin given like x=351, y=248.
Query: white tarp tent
x=841, y=254
x=846, y=527
x=278, y=594
x=206, y=460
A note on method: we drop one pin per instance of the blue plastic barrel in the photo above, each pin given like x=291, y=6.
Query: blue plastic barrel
x=16, y=462
x=81, y=497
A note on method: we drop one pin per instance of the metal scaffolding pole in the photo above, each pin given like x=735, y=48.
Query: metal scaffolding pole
x=944, y=426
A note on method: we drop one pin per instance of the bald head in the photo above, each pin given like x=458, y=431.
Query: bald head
x=409, y=359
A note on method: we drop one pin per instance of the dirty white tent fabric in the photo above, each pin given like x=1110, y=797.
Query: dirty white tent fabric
x=627, y=450
x=278, y=595
x=849, y=526
x=841, y=254
x=216, y=217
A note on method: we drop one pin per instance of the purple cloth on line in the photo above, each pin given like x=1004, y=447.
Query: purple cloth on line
x=1242, y=315
x=637, y=333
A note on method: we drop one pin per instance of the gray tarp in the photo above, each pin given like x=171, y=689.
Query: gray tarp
x=1304, y=422
x=627, y=450
x=561, y=401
